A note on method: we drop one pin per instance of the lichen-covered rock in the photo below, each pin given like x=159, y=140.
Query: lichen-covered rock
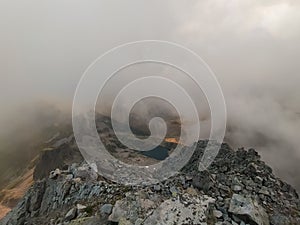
x=85, y=172
x=188, y=210
x=125, y=208
x=248, y=209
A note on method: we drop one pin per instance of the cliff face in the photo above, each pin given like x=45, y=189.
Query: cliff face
x=238, y=188
x=59, y=157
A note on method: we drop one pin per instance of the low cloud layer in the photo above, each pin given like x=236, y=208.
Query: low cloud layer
x=253, y=48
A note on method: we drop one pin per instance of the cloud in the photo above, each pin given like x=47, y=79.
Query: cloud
x=252, y=46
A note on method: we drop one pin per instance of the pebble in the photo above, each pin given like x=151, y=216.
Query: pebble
x=237, y=188
x=173, y=191
x=218, y=214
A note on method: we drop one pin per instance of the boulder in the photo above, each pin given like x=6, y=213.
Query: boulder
x=131, y=207
x=189, y=211
x=248, y=210
x=86, y=173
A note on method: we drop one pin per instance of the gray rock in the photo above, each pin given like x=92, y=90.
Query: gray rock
x=88, y=221
x=119, y=211
x=247, y=207
x=37, y=197
x=54, y=174
x=279, y=219
x=218, y=214
x=202, y=181
x=139, y=221
x=264, y=191
x=174, y=191
x=126, y=210
x=69, y=177
x=80, y=208
x=236, y=188
x=85, y=172
x=176, y=212
x=157, y=187
x=106, y=209
x=71, y=214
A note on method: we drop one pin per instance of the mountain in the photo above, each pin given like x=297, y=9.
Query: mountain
x=237, y=188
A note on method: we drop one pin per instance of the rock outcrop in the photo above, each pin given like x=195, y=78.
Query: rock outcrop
x=238, y=188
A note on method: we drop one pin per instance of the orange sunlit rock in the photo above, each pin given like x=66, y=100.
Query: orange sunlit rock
x=172, y=140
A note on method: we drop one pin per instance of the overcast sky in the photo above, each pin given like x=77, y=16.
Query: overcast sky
x=252, y=46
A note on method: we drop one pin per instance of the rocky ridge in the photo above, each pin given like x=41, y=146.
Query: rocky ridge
x=238, y=188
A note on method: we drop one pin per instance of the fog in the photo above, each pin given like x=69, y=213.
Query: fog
x=253, y=47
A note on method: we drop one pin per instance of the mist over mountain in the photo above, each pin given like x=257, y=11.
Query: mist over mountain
x=252, y=47
x=238, y=187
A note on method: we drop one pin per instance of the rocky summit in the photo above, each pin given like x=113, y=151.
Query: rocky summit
x=237, y=188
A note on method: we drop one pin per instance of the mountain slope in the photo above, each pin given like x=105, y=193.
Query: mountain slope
x=238, y=188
